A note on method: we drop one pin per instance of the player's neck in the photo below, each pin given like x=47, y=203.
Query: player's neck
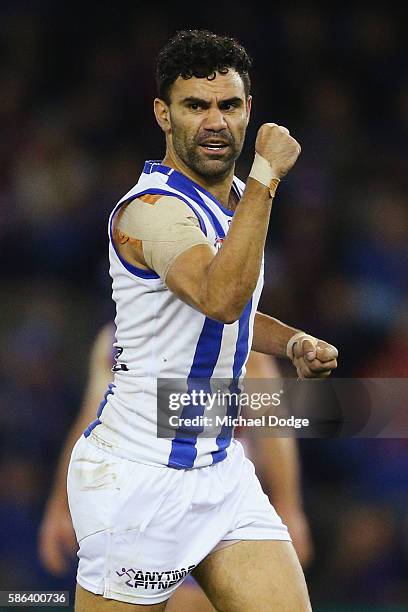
x=220, y=188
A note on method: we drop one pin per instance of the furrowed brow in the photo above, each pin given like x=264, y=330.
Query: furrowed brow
x=198, y=101
x=235, y=101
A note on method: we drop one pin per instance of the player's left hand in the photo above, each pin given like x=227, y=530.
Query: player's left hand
x=57, y=543
x=313, y=358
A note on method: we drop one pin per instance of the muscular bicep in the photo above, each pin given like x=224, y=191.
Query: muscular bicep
x=166, y=237
x=186, y=275
x=173, y=242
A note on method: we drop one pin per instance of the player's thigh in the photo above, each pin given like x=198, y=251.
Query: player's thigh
x=189, y=597
x=254, y=576
x=85, y=601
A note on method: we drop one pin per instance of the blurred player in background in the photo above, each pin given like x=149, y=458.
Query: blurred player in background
x=276, y=463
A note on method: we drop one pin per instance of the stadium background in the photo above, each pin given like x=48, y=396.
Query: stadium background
x=76, y=123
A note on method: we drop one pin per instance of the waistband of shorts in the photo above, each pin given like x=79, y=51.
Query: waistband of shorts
x=110, y=449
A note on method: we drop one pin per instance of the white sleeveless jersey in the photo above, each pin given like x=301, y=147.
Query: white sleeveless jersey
x=159, y=336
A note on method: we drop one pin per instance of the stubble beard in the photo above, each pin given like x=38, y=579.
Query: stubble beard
x=193, y=157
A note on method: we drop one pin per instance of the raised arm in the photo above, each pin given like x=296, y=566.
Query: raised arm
x=221, y=285
x=217, y=283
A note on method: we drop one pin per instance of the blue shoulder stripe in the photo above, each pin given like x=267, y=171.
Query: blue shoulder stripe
x=183, y=184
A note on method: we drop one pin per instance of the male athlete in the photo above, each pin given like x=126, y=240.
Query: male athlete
x=276, y=458
x=186, y=251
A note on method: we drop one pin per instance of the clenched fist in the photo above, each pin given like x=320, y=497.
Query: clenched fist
x=311, y=357
x=278, y=147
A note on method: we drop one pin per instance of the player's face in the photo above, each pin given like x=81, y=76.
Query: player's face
x=208, y=120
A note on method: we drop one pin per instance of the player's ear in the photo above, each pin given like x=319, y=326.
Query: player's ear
x=162, y=114
x=249, y=106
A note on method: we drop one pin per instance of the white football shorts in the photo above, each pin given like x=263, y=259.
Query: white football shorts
x=143, y=528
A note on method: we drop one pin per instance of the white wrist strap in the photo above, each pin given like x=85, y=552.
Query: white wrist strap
x=299, y=337
x=262, y=172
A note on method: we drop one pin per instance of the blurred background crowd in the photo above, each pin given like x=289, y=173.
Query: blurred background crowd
x=76, y=124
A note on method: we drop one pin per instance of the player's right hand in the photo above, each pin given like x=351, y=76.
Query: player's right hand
x=57, y=544
x=278, y=147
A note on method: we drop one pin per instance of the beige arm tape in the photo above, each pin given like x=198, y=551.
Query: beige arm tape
x=166, y=228
x=262, y=172
x=299, y=337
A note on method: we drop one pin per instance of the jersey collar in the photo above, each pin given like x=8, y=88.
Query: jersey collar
x=184, y=183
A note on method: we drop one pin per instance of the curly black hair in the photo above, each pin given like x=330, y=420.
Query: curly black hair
x=201, y=54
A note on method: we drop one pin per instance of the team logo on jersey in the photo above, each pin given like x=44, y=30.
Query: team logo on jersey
x=136, y=578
